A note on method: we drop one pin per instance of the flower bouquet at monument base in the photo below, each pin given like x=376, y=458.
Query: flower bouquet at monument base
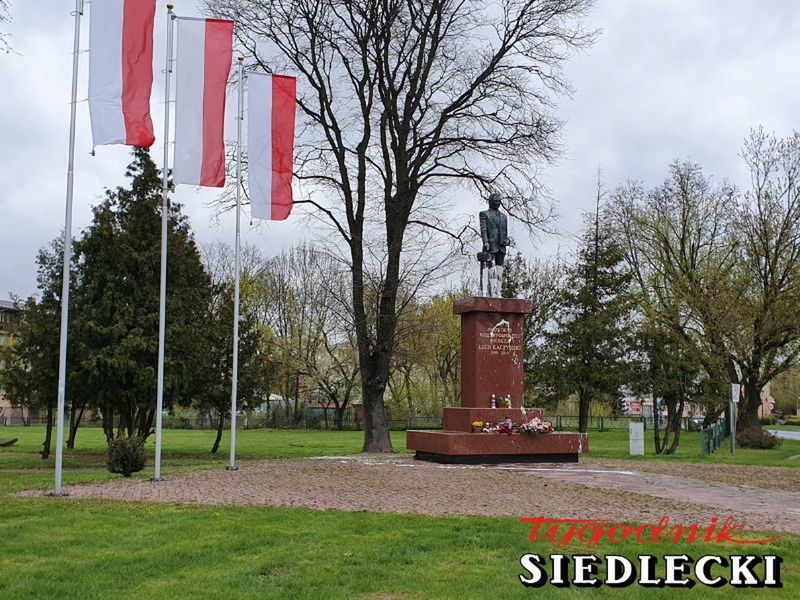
x=535, y=426
x=505, y=426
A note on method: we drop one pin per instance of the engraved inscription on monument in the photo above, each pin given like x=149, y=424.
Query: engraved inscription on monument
x=499, y=342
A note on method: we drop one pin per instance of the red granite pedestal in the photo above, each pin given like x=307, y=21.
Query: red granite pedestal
x=492, y=363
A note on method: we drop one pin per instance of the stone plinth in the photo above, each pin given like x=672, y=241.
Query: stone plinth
x=492, y=350
x=492, y=353
x=462, y=447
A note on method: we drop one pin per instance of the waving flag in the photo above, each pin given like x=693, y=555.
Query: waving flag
x=205, y=52
x=270, y=144
x=121, y=71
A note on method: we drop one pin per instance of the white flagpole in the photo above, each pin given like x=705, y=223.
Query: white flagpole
x=62, y=346
x=235, y=372
x=162, y=301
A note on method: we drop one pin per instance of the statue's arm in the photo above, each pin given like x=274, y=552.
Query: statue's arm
x=484, y=220
x=505, y=240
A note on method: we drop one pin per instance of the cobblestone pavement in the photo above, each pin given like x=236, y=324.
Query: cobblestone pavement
x=400, y=484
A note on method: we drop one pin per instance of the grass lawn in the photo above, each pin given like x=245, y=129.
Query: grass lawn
x=60, y=548
x=614, y=444
x=21, y=466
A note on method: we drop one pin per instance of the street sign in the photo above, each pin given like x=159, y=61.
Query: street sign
x=736, y=391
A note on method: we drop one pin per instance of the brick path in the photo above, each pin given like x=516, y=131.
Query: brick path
x=403, y=485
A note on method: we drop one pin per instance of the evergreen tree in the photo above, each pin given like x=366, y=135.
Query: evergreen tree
x=118, y=304
x=586, y=353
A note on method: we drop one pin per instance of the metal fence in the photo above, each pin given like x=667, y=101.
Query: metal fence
x=712, y=437
x=350, y=423
x=570, y=422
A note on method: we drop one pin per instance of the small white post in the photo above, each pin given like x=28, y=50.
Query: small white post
x=162, y=301
x=235, y=368
x=636, y=439
x=62, y=343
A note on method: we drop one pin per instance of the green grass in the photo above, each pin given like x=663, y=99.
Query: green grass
x=67, y=549
x=57, y=548
x=614, y=444
x=21, y=466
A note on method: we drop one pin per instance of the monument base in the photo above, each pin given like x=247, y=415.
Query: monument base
x=493, y=374
x=494, y=448
x=497, y=459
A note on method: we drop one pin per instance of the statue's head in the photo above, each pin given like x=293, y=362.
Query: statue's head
x=494, y=200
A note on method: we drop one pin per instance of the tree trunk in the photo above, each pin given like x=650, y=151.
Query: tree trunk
x=123, y=428
x=148, y=424
x=583, y=411
x=748, y=413
x=74, y=422
x=672, y=427
x=339, y=411
x=108, y=422
x=373, y=363
x=48, y=433
x=656, y=430
x=220, y=426
x=376, y=430
x=407, y=388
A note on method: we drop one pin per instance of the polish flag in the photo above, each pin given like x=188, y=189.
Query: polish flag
x=121, y=71
x=203, y=63
x=270, y=144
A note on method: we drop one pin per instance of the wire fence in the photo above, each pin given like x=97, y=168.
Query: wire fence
x=349, y=422
x=712, y=437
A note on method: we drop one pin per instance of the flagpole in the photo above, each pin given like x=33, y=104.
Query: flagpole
x=162, y=301
x=235, y=373
x=65, y=273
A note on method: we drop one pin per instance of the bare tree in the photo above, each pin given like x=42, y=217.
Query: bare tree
x=400, y=100
x=767, y=341
x=722, y=269
x=298, y=306
x=677, y=241
x=5, y=17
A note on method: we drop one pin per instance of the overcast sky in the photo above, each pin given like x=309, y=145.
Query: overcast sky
x=667, y=79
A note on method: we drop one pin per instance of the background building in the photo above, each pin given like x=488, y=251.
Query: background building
x=9, y=312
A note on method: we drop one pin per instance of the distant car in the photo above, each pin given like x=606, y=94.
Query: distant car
x=696, y=423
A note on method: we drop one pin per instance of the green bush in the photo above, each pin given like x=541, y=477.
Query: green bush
x=769, y=421
x=126, y=455
x=757, y=438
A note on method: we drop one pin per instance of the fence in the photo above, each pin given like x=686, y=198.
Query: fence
x=570, y=422
x=711, y=437
x=350, y=423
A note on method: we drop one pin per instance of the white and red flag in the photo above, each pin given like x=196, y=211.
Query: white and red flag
x=270, y=144
x=121, y=71
x=203, y=63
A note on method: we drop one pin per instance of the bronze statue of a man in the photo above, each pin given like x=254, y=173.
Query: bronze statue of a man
x=494, y=233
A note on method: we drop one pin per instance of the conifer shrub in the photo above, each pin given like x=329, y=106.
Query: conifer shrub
x=126, y=455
